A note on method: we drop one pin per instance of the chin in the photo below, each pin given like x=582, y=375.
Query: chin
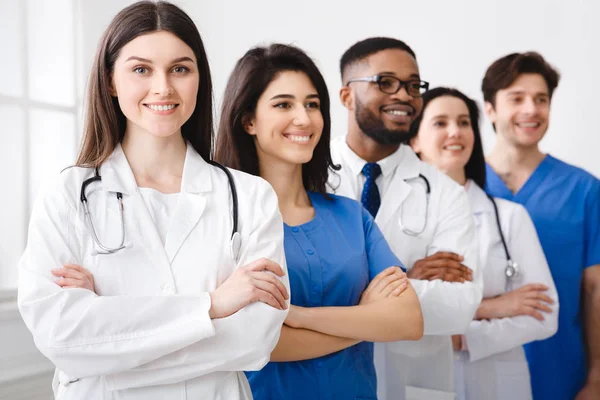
x=164, y=132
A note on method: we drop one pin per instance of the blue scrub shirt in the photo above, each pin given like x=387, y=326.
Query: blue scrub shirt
x=331, y=260
x=564, y=204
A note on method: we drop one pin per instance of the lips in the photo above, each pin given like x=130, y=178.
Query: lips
x=454, y=147
x=398, y=110
x=528, y=124
x=162, y=108
x=300, y=137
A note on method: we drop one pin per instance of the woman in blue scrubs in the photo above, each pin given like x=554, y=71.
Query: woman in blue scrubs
x=275, y=123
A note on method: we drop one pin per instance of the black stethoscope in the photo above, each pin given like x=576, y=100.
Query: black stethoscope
x=512, y=269
x=234, y=245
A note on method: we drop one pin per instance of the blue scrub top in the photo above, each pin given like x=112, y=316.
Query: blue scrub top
x=564, y=204
x=331, y=260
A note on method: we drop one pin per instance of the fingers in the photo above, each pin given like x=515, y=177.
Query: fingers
x=396, y=274
x=534, y=291
x=273, y=294
x=533, y=286
x=272, y=280
x=532, y=312
x=545, y=298
x=380, y=276
x=390, y=288
x=445, y=255
x=400, y=289
x=69, y=273
x=447, y=264
x=538, y=305
x=268, y=298
x=70, y=282
x=264, y=264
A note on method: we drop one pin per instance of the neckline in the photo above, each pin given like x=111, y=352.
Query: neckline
x=538, y=174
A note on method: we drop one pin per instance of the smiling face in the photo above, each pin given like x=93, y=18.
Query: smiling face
x=384, y=117
x=521, y=111
x=445, y=138
x=156, y=82
x=287, y=123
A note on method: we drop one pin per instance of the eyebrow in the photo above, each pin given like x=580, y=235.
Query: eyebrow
x=416, y=76
x=517, y=92
x=175, y=61
x=290, y=96
x=442, y=116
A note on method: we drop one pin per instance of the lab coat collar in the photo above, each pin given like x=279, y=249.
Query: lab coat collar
x=116, y=173
x=196, y=180
x=118, y=177
x=478, y=200
x=405, y=165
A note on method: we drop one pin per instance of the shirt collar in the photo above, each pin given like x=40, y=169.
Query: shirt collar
x=404, y=155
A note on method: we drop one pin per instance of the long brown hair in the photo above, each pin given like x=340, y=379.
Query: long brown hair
x=104, y=121
x=252, y=74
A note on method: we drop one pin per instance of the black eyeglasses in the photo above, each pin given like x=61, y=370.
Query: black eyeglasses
x=391, y=84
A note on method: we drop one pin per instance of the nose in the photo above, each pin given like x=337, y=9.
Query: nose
x=453, y=129
x=529, y=106
x=161, y=85
x=402, y=95
x=301, y=117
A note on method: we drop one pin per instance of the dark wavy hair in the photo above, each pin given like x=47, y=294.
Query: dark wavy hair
x=104, y=121
x=504, y=71
x=475, y=168
x=252, y=74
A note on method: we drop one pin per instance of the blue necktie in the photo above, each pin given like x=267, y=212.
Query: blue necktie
x=370, y=195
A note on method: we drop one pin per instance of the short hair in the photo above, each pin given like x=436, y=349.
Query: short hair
x=252, y=74
x=504, y=71
x=363, y=49
x=475, y=167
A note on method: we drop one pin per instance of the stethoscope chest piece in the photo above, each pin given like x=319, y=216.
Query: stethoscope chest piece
x=235, y=246
x=512, y=269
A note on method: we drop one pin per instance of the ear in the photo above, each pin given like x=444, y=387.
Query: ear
x=112, y=90
x=347, y=98
x=249, y=124
x=490, y=112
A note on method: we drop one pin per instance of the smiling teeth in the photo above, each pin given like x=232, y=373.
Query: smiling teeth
x=528, y=124
x=161, y=108
x=301, y=139
x=454, y=147
x=397, y=112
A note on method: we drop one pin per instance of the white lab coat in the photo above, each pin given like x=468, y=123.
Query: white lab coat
x=495, y=368
x=423, y=369
x=147, y=334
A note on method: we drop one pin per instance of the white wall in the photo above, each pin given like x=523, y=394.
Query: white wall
x=50, y=46
x=455, y=42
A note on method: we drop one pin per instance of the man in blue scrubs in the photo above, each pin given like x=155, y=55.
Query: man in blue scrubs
x=564, y=203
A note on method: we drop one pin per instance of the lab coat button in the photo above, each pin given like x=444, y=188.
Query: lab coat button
x=295, y=230
x=310, y=252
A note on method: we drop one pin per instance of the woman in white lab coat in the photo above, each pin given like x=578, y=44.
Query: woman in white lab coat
x=182, y=304
x=490, y=361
